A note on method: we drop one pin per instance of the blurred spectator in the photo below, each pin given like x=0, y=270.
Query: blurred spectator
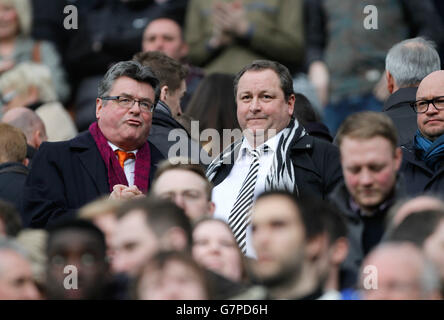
x=34, y=241
x=423, y=156
x=290, y=244
x=30, y=85
x=406, y=64
x=10, y=221
x=307, y=117
x=214, y=106
x=425, y=229
x=16, y=281
x=215, y=248
x=166, y=35
x=102, y=212
x=370, y=162
x=186, y=185
x=274, y=153
x=113, y=156
x=405, y=207
x=80, y=245
x=145, y=226
x=224, y=36
x=109, y=32
x=13, y=170
x=172, y=276
x=32, y=126
x=346, y=46
x=403, y=273
x=168, y=135
x=16, y=44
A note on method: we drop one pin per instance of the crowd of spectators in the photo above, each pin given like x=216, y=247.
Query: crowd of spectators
x=221, y=149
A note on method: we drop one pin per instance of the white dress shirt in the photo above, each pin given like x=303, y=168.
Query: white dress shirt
x=129, y=167
x=224, y=194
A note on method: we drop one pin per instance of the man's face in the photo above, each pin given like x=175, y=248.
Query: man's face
x=165, y=35
x=16, y=281
x=431, y=123
x=134, y=243
x=278, y=238
x=434, y=248
x=81, y=249
x=261, y=104
x=187, y=189
x=172, y=99
x=369, y=168
x=126, y=128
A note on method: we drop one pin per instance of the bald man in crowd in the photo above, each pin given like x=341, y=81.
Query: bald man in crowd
x=423, y=156
x=32, y=126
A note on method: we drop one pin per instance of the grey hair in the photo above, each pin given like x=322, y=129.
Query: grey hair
x=411, y=60
x=130, y=69
x=12, y=245
x=282, y=72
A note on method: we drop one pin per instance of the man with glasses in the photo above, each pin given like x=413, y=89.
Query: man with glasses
x=113, y=156
x=424, y=155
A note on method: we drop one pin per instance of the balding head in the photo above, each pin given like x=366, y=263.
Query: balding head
x=29, y=122
x=420, y=203
x=431, y=122
x=400, y=272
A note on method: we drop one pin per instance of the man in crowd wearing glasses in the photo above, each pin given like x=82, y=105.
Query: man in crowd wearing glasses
x=424, y=155
x=113, y=156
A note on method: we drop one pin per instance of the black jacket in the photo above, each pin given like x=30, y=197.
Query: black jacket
x=418, y=176
x=360, y=229
x=316, y=165
x=397, y=107
x=180, y=143
x=12, y=181
x=64, y=177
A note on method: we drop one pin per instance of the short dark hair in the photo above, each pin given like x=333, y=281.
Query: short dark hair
x=282, y=72
x=10, y=218
x=417, y=227
x=169, y=71
x=368, y=125
x=161, y=215
x=78, y=225
x=130, y=69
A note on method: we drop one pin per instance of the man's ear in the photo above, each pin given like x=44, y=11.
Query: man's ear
x=174, y=239
x=339, y=251
x=390, y=82
x=163, y=93
x=291, y=101
x=398, y=158
x=99, y=106
x=184, y=49
x=211, y=208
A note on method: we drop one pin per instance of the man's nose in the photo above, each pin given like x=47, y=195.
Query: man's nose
x=255, y=105
x=365, y=177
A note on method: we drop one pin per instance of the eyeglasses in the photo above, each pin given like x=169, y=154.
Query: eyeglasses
x=422, y=106
x=128, y=103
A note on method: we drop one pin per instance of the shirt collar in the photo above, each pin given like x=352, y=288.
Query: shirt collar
x=114, y=147
x=271, y=143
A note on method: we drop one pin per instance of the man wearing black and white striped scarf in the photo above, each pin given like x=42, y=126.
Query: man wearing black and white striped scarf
x=274, y=153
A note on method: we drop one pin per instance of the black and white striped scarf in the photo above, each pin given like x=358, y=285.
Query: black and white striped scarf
x=281, y=175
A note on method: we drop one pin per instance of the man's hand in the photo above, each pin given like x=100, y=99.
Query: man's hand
x=122, y=192
x=319, y=77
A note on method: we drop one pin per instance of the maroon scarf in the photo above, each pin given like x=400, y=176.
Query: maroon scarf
x=116, y=175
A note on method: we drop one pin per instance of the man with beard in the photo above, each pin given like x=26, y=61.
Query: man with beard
x=291, y=243
x=370, y=162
